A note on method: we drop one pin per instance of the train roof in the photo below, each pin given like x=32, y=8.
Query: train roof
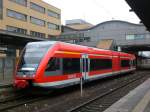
x=41, y=42
x=78, y=48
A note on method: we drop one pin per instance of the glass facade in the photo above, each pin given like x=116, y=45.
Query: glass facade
x=76, y=38
x=129, y=37
x=135, y=36
x=1, y=9
x=16, y=30
x=53, y=26
x=53, y=14
x=21, y=2
x=37, y=7
x=37, y=34
x=37, y=21
x=16, y=15
x=139, y=36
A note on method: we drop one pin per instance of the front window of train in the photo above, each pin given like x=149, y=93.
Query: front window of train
x=31, y=57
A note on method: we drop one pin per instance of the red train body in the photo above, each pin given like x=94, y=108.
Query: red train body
x=51, y=64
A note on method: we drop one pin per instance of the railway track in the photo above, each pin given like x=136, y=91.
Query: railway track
x=13, y=95
x=22, y=100
x=8, y=93
x=94, y=99
x=104, y=100
x=11, y=98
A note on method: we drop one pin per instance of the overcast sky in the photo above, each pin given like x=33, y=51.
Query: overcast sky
x=94, y=11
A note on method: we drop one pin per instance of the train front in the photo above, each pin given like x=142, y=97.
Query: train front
x=29, y=61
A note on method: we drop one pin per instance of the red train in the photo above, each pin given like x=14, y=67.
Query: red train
x=51, y=64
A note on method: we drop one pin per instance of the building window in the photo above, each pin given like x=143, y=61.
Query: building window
x=16, y=30
x=1, y=9
x=37, y=21
x=135, y=37
x=125, y=63
x=21, y=2
x=37, y=7
x=37, y=34
x=53, y=14
x=139, y=36
x=16, y=15
x=81, y=39
x=87, y=39
x=129, y=37
x=53, y=26
x=100, y=64
x=71, y=65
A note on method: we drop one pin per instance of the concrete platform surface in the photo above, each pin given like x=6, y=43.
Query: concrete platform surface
x=5, y=83
x=138, y=100
x=6, y=90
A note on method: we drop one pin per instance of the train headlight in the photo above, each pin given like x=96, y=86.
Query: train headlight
x=24, y=76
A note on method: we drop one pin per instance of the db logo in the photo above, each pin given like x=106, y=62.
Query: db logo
x=72, y=76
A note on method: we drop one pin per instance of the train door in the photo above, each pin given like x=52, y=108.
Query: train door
x=119, y=62
x=85, y=66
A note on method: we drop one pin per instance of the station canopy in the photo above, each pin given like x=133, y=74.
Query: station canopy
x=142, y=9
x=18, y=40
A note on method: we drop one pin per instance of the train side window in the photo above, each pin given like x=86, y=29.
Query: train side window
x=125, y=63
x=99, y=64
x=53, y=64
x=71, y=65
x=53, y=67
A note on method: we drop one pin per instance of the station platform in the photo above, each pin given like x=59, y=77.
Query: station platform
x=6, y=90
x=138, y=100
x=5, y=84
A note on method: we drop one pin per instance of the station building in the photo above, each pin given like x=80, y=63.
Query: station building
x=113, y=34
x=22, y=21
x=30, y=17
x=78, y=24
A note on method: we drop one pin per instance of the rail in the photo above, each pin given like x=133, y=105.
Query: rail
x=97, y=107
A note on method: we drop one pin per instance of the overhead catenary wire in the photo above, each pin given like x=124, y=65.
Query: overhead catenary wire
x=96, y=3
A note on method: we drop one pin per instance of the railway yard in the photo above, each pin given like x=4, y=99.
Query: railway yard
x=97, y=96
x=79, y=66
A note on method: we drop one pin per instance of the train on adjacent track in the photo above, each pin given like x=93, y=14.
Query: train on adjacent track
x=53, y=64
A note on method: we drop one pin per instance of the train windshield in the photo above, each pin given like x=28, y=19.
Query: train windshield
x=31, y=57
